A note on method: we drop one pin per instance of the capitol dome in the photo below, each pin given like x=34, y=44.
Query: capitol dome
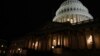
x=72, y=11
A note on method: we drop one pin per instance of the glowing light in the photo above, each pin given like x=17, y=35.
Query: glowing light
x=53, y=47
x=74, y=20
x=18, y=49
x=89, y=40
x=36, y=44
x=54, y=42
x=2, y=46
x=32, y=43
x=68, y=19
x=71, y=21
x=58, y=42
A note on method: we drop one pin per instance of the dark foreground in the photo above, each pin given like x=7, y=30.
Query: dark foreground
x=64, y=53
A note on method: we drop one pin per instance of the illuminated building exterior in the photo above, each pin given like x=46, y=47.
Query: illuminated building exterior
x=72, y=28
x=73, y=11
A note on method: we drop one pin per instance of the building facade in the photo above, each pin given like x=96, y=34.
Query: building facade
x=71, y=28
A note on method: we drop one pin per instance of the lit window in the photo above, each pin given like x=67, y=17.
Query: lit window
x=29, y=46
x=58, y=41
x=33, y=44
x=89, y=40
x=74, y=20
x=71, y=21
x=54, y=42
x=36, y=44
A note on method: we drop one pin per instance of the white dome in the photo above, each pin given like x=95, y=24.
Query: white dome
x=73, y=11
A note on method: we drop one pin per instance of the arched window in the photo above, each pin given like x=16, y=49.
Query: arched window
x=68, y=9
x=71, y=9
x=64, y=10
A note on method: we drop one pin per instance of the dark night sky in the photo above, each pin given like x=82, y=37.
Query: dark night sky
x=21, y=17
